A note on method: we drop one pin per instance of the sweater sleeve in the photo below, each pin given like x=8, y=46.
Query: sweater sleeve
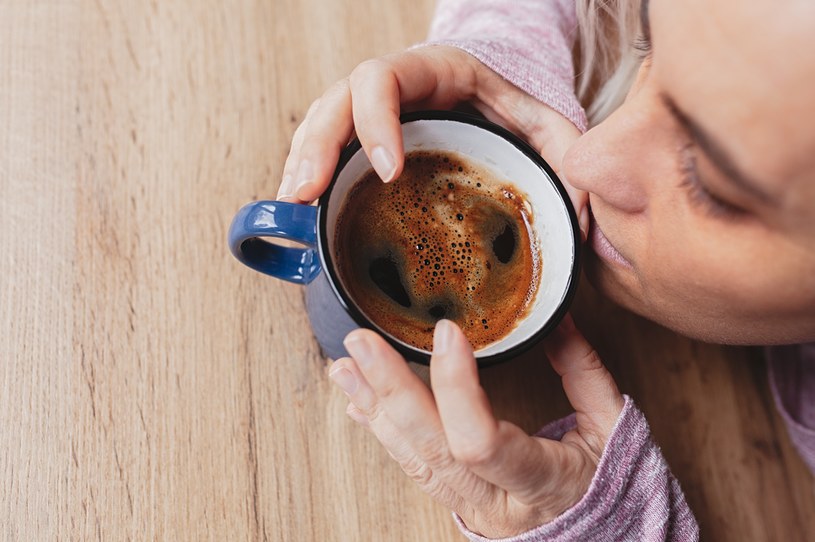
x=527, y=42
x=792, y=380
x=633, y=495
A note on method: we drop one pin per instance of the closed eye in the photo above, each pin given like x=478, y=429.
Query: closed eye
x=699, y=195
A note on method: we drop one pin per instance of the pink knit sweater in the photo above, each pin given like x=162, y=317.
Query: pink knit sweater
x=633, y=495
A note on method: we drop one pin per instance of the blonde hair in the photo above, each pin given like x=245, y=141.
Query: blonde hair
x=608, y=60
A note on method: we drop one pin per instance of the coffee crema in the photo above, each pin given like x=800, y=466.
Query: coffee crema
x=447, y=239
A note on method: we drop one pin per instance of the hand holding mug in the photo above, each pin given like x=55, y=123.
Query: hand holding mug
x=340, y=298
x=369, y=103
x=500, y=481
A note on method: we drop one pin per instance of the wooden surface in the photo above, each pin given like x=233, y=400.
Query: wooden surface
x=151, y=388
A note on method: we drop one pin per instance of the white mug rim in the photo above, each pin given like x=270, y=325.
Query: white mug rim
x=410, y=352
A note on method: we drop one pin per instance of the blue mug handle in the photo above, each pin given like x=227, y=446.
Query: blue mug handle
x=281, y=220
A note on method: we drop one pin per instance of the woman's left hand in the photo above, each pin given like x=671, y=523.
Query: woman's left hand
x=499, y=480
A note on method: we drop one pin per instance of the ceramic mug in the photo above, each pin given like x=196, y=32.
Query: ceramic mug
x=333, y=313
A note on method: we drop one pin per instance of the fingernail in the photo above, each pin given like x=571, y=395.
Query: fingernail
x=345, y=379
x=359, y=348
x=285, y=190
x=383, y=163
x=304, y=191
x=442, y=337
x=305, y=173
x=584, y=222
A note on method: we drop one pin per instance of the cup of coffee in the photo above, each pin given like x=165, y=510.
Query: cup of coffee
x=477, y=229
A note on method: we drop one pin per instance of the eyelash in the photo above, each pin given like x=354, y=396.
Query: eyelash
x=698, y=194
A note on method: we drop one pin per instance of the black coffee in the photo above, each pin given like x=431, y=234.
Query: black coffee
x=446, y=239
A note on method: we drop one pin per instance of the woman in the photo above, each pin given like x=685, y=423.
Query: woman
x=695, y=187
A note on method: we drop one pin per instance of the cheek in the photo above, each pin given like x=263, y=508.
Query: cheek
x=688, y=264
x=725, y=282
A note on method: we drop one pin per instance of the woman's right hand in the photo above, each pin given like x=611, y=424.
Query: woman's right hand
x=368, y=104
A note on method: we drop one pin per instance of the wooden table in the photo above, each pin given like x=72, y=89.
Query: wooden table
x=151, y=388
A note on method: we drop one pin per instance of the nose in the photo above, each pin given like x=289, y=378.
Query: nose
x=613, y=161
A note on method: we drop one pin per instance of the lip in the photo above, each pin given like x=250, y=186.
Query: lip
x=603, y=247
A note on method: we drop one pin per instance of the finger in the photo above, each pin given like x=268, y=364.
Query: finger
x=286, y=190
x=463, y=406
x=391, y=438
x=589, y=386
x=403, y=399
x=396, y=391
x=376, y=106
x=382, y=88
x=499, y=452
x=345, y=374
x=356, y=414
x=327, y=133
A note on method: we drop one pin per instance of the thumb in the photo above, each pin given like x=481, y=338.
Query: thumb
x=589, y=386
x=497, y=451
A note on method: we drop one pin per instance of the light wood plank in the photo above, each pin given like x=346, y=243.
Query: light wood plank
x=152, y=388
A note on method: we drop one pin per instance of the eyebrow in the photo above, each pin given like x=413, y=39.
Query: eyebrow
x=717, y=154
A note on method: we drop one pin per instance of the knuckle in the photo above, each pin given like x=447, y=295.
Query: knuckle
x=337, y=90
x=387, y=389
x=373, y=412
x=375, y=67
x=460, y=69
x=436, y=452
x=538, y=134
x=476, y=453
x=418, y=471
x=593, y=371
x=591, y=361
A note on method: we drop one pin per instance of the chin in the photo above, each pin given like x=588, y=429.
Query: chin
x=612, y=283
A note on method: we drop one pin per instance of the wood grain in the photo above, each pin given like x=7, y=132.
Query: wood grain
x=151, y=388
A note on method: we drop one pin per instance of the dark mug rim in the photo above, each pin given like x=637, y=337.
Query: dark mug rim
x=412, y=353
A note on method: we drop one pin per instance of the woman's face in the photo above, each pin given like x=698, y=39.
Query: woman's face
x=703, y=183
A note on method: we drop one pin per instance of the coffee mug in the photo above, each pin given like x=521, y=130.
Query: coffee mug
x=331, y=310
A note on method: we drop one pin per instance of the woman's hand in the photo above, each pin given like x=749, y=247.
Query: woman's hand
x=369, y=102
x=499, y=480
